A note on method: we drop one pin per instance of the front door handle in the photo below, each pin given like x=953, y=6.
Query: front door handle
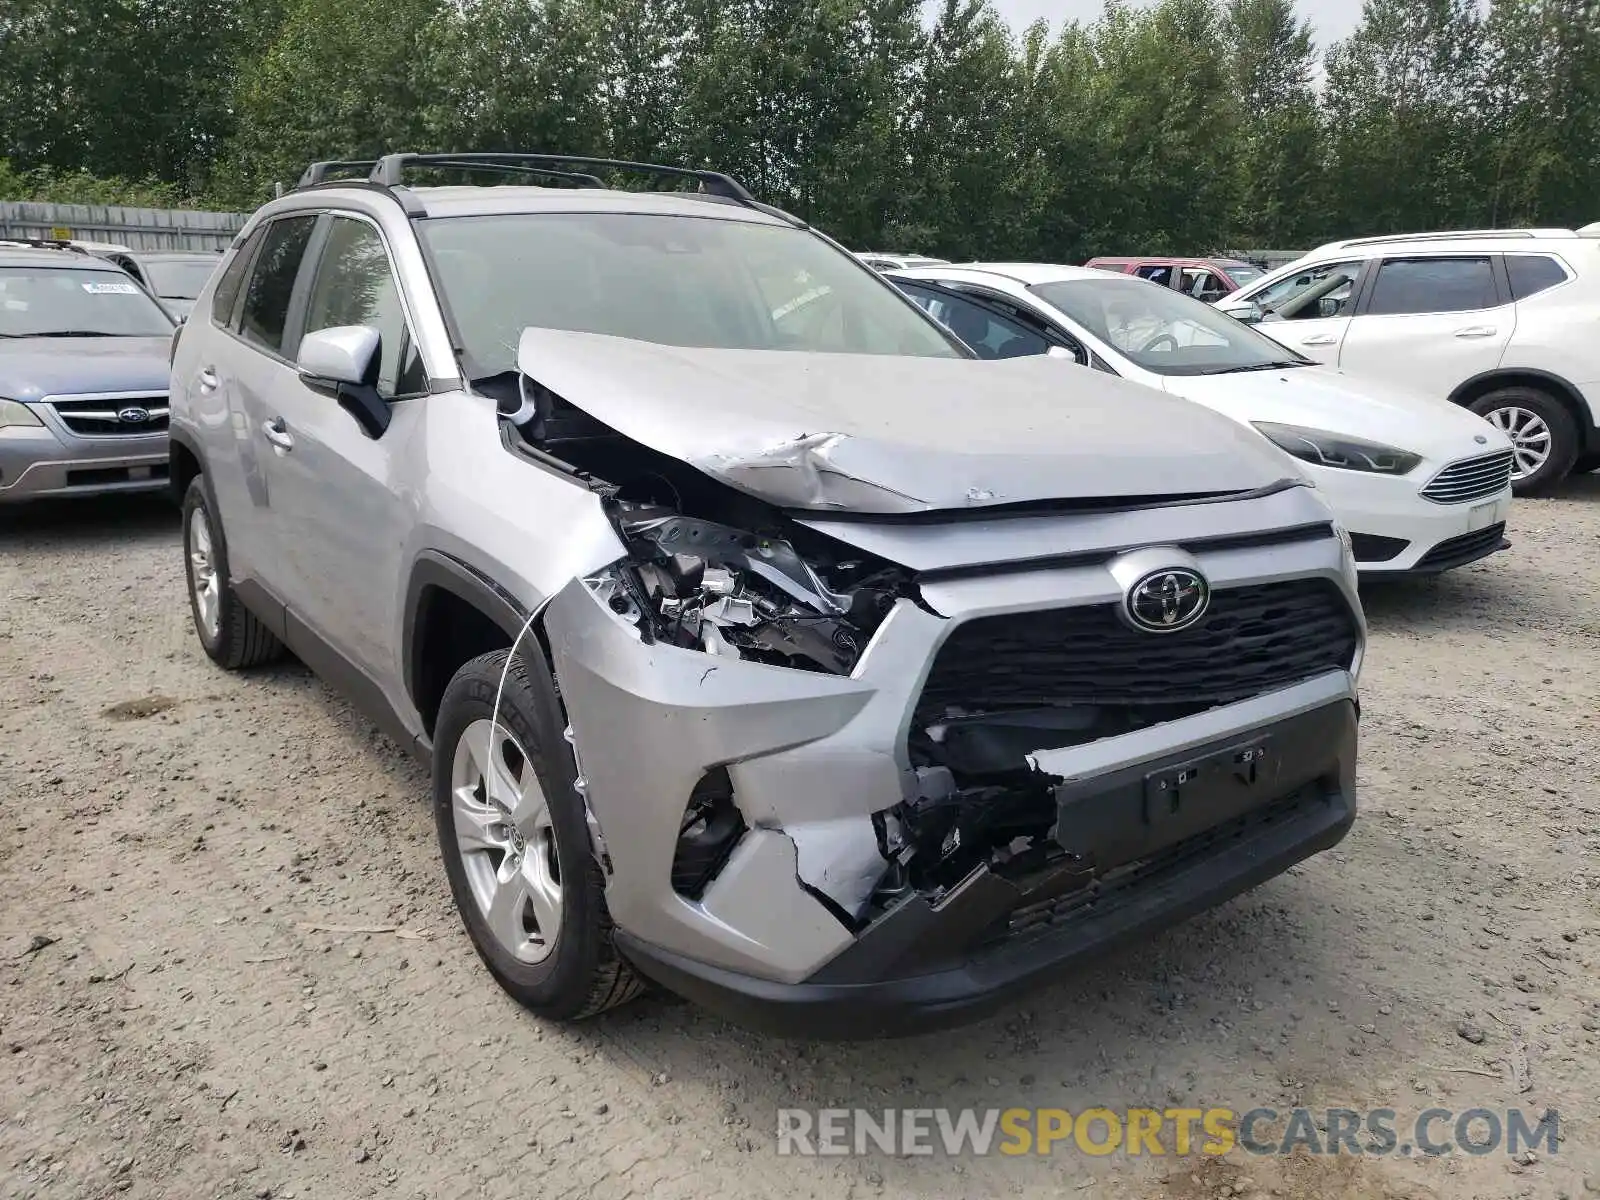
x=1476, y=331
x=1319, y=339
x=278, y=434
x=209, y=381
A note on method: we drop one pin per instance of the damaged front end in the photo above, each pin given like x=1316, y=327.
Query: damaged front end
x=814, y=763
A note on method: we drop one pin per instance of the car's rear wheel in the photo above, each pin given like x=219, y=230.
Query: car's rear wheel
x=1544, y=437
x=515, y=840
x=231, y=634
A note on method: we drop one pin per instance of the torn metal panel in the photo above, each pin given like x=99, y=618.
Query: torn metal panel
x=867, y=433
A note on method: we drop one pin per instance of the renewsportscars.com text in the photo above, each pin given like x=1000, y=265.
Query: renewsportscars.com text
x=1432, y=1132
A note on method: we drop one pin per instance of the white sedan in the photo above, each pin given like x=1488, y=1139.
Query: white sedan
x=1420, y=484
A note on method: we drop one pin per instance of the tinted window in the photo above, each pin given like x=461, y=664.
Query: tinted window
x=227, y=293
x=266, y=296
x=1155, y=274
x=355, y=286
x=1329, y=285
x=1432, y=285
x=986, y=331
x=1532, y=273
x=672, y=280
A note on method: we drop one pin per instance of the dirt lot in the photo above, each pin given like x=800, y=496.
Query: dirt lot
x=183, y=839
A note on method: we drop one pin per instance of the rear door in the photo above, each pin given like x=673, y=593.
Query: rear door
x=1430, y=321
x=339, y=523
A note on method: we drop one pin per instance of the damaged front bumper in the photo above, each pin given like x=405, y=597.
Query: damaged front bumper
x=793, y=920
x=1172, y=836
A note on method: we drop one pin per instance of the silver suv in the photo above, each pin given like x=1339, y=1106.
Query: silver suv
x=763, y=641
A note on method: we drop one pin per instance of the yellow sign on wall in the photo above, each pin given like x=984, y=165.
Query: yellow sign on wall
x=61, y=233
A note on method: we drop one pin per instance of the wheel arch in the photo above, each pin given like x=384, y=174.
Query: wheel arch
x=184, y=463
x=453, y=613
x=1558, y=388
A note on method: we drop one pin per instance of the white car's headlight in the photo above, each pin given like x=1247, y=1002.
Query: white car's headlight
x=1340, y=451
x=13, y=414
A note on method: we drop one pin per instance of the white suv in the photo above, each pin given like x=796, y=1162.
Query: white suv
x=1500, y=321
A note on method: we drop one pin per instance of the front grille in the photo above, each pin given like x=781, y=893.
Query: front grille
x=1252, y=640
x=1456, y=551
x=1470, y=479
x=103, y=416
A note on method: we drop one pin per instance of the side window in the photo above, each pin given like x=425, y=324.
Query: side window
x=227, y=293
x=1203, y=284
x=1433, y=285
x=266, y=296
x=1155, y=273
x=1532, y=273
x=988, y=333
x=354, y=285
x=1335, y=300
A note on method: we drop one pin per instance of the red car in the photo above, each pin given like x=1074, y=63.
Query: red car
x=1208, y=279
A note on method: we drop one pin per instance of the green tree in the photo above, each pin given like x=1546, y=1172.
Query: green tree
x=1271, y=63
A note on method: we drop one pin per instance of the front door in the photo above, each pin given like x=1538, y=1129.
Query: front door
x=1431, y=322
x=1310, y=310
x=340, y=521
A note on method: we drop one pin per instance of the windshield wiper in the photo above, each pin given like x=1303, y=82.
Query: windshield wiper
x=53, y=333
x=1276, y=364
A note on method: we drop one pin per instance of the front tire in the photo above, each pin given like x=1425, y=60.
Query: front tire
x=515, y=841
x=230, y=633
x=1544, y=437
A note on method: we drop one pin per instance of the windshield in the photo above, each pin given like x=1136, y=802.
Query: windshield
x=178, y=280
x=1162, y=330
x=1242, y=275
x=680, y=281
x=66, y=302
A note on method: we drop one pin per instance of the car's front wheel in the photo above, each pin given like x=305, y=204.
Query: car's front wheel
x=1544, y=437
x=515, y=840
x=231, y=634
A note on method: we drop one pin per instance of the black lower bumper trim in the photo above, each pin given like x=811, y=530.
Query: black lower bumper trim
x=1459, y=551
x=1029, y=944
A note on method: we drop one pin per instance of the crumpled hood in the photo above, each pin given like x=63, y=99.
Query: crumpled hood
x=31, y=368
x=1320, y=398
x=887, y=434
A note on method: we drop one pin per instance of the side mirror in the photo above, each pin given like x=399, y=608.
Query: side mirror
x=1061, y=352
x=1249, y=312
x=344, y=360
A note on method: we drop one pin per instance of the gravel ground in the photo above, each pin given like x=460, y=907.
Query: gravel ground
x=254, y=984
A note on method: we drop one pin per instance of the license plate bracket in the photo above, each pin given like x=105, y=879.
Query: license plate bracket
x=1190, y=792
x=1481, y=516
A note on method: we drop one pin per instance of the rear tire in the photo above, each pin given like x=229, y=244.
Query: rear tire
x=1543, y=434
x=230, y=633
x=521, y=865
x=1586, y=463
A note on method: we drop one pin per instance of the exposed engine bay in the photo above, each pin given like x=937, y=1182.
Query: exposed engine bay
x=715, y=570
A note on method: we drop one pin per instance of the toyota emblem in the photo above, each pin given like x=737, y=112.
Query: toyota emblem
x=133, y=415
x=1167, y=600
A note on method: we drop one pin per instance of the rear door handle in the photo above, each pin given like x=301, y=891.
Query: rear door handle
x=1319, y=339
x=1476, y=331
x=209, y=381
x=276, y=432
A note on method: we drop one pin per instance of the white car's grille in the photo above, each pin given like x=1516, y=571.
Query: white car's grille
x=1470, y=479
x=120, y=415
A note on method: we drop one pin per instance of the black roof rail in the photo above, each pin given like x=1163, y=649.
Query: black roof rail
x=389, y=169
x=29, y=243
x=476, y=162
x=318, y=172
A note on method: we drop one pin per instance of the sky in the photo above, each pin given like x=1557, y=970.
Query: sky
x=1330, y=19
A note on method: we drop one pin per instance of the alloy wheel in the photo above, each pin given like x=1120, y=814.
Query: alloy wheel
x=1530, y=438
x=505, y=840
x=203, y=580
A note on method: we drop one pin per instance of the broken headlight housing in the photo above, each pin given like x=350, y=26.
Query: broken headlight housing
x=705, y=586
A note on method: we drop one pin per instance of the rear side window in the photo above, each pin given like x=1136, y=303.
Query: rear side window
x=1532, y=273
x=227, y=293
x=266, y=297
x=1433, y=285
x=990, y=334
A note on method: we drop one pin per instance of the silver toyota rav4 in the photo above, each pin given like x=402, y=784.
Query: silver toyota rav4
x=764, y=642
